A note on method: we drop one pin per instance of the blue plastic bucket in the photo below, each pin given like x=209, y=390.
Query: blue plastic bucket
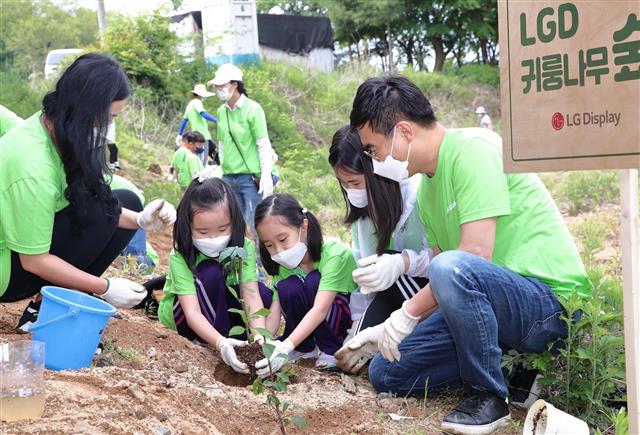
x=71, y=324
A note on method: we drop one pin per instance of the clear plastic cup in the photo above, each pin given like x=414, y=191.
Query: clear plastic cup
x=22, y=391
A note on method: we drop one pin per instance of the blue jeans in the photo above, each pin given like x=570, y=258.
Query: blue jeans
x=247, y=193
x=483, y=309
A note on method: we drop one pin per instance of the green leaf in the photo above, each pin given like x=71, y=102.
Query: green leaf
x=257, y=387
x=282, y=377
x=299, y=421
x=285, y=406
x=237, y=330
x=234, y=293
x=267, y=349
x=241, y=312
x=286, y=421
x=264, y=332
x=273, y=399
x=263, y=312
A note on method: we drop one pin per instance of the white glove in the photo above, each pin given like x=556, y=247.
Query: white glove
x=266, y=185
x=123, y=293
x=355, y=353
x=157, y=214
x=278, y=359
x=394, y=330
x=178, y=141
x=226, y=347
x=377, y=273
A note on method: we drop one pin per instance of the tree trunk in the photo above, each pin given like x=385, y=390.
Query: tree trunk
x=484, y=54
x=390, y=47
x=102, y=22
x=438, y=48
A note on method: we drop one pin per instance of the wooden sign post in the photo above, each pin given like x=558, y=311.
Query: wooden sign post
x=570, y=94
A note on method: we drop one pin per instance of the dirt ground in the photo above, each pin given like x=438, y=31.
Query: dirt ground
x=149, y=380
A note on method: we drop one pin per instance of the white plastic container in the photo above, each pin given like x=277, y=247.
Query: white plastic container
x=545, y=419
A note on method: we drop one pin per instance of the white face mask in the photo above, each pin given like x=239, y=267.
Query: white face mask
x=224, y=94
x=211, y=246
x=357, y=197
x=292, y=257
x=109, y=135
x=391, y=168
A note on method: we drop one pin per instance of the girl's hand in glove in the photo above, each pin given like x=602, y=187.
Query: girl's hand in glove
x=157, y=214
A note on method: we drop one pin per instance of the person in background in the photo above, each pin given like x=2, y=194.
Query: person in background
x=185, y=162
x=113, y=148
x=197, y=117
x=197, y=300
x=60, y=222
x=388, y=239
x=311, y=281
x=247, y=157
x=8, y=120
x=485, y=119
x=504, y=258
x=146, y=257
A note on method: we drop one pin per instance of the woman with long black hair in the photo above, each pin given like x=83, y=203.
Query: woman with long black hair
x=60, y=223
x=387, y=237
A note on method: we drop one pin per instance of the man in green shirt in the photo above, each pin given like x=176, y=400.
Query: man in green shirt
x=503, y=258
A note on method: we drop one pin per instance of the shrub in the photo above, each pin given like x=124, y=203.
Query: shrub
x=584, y=191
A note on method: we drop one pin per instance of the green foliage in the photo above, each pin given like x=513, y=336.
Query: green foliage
x=168, y=190
x=585, y=191
x=592, y=233
x=274, y=384
x=30, y=29
x=146, y=48
x=17, y=95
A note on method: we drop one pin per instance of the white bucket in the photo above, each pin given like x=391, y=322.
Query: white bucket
x=549, y=420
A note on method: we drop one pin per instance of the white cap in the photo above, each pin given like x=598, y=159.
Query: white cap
x=201, y=90
x=226, y=73
x=480, y=110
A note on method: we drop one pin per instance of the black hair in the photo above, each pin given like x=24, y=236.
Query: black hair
x=81, y=101
x=193, y=137
x=241, y=88
x=285, y=205
x=198, y=197
x=383, y=101
x=384, y=196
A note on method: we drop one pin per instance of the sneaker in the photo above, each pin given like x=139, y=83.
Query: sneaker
x=295, y=355
x=29, y=316
x=477, y=413
x=325, y=362
x=523, y=387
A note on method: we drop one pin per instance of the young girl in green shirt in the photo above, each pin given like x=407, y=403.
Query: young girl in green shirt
x=185, y=162
x=197, y=299
x=311, y=283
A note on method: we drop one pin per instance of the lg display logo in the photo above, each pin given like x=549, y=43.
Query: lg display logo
x=557, y=121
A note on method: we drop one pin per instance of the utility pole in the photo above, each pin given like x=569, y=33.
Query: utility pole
x=102, y=22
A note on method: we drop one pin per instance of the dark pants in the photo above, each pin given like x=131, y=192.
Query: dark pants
x=386, y=302
x=113, y=152
x=214, y=299
x=91, y=249
x=213, y=152
x=296, y=299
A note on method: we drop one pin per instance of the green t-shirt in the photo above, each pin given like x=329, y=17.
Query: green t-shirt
x=187, y=164
x=335, y=266
x=32, y=184
x=197, y=122
x=180, y=280
x=531, y=236
x=248, y=124
x=8, y=120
